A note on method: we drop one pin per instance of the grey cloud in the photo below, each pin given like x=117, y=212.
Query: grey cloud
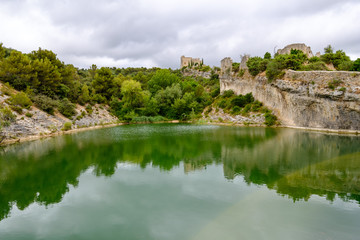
x=159, y=32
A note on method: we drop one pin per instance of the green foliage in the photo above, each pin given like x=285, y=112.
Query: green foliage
x=256, y=65
x=146, y=119
x=67, y=126
x=314, y=66
x=228, y=93
x=21, y=99
x=133, y=96
x=267, y=56
x=270, y=119
x=45, y=103
x=66, y=108
x=339, y=59
x=162, y=79
x=356, y=65
x=235, y=67
x=6, y=116
x=215, y=92
x=28, y=114
x=103, y=83
x=274, y=70
x=334, y=84
x=241, y=72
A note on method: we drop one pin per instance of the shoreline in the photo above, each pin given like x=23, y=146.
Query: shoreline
x=72, y=131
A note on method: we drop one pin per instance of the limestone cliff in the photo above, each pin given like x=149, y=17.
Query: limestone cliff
x=33, y=123
x=315, y=99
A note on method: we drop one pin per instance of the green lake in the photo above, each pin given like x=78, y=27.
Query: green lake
x=182, y=181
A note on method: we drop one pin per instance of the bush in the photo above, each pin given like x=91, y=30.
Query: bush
x=215, y=92
x=6, y=115
x=270, y=119
x=235, y=67
x=45, y=103
x=66, y=108
x=21, y=99
x=334, y=84
x=256, y=65
x=228, y=93
x=356, y=65
x=236, y=110
x=314, y=66
x=241, y=72
x=274, y=70
x=67, y=126
x=28, y=114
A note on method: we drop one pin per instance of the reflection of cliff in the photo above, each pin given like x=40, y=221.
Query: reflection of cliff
x=297, y=164
x=294, y=163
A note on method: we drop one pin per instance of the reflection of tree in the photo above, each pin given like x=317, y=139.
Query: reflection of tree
x=291, y=162
x=299, y=165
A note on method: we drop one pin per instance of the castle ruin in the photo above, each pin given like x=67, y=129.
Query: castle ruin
x=189, y=62
x=297, y=46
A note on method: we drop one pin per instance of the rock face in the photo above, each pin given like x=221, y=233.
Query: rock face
x=34, y=122
x=188, y=72
x=316, y=99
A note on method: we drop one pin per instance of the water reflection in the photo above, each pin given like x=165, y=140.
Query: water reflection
x=296, y=164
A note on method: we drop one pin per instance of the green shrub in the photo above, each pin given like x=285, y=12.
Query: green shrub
x=356, y=65
x=314, y=66
x=29, y=115
x=334, y=84
x=67, y=126
x=21, y=99
x=215, y=92
x=236, y=110
x=228, y=93
x=16, y=108
x=45, y=103
x=235, y=67
x=274, y=70
x=256, y=65
x=89, y=109
x=66, y=108
x=270, y=119
x=6, y=115
x=247, y=108
x=256, y=106
x=241, y=72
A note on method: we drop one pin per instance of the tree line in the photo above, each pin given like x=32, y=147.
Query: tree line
x=131, y=93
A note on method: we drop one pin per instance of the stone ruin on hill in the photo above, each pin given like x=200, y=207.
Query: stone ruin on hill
x=190, y=62
x=297, y=46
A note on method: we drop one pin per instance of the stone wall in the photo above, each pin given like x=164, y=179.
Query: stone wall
x=304, y=99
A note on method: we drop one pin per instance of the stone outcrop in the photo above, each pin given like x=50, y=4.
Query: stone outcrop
x=315, y=99
x=297, y=46
x=188, y=72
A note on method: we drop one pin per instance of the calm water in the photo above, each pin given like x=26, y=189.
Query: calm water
x=182, y=182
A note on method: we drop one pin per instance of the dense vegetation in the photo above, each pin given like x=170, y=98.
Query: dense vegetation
x=133, y=94
x=297, y=60
x=242, y=105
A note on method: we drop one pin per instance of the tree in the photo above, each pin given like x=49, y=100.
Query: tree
x=163, y=78
x=103, y=82
x=356, y=65
x=16, y=70
x=133, y=96
x=267, y=55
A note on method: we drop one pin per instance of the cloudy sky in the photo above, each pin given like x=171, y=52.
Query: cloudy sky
x=150, y=33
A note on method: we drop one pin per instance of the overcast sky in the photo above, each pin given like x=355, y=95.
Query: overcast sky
x=155, y=33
